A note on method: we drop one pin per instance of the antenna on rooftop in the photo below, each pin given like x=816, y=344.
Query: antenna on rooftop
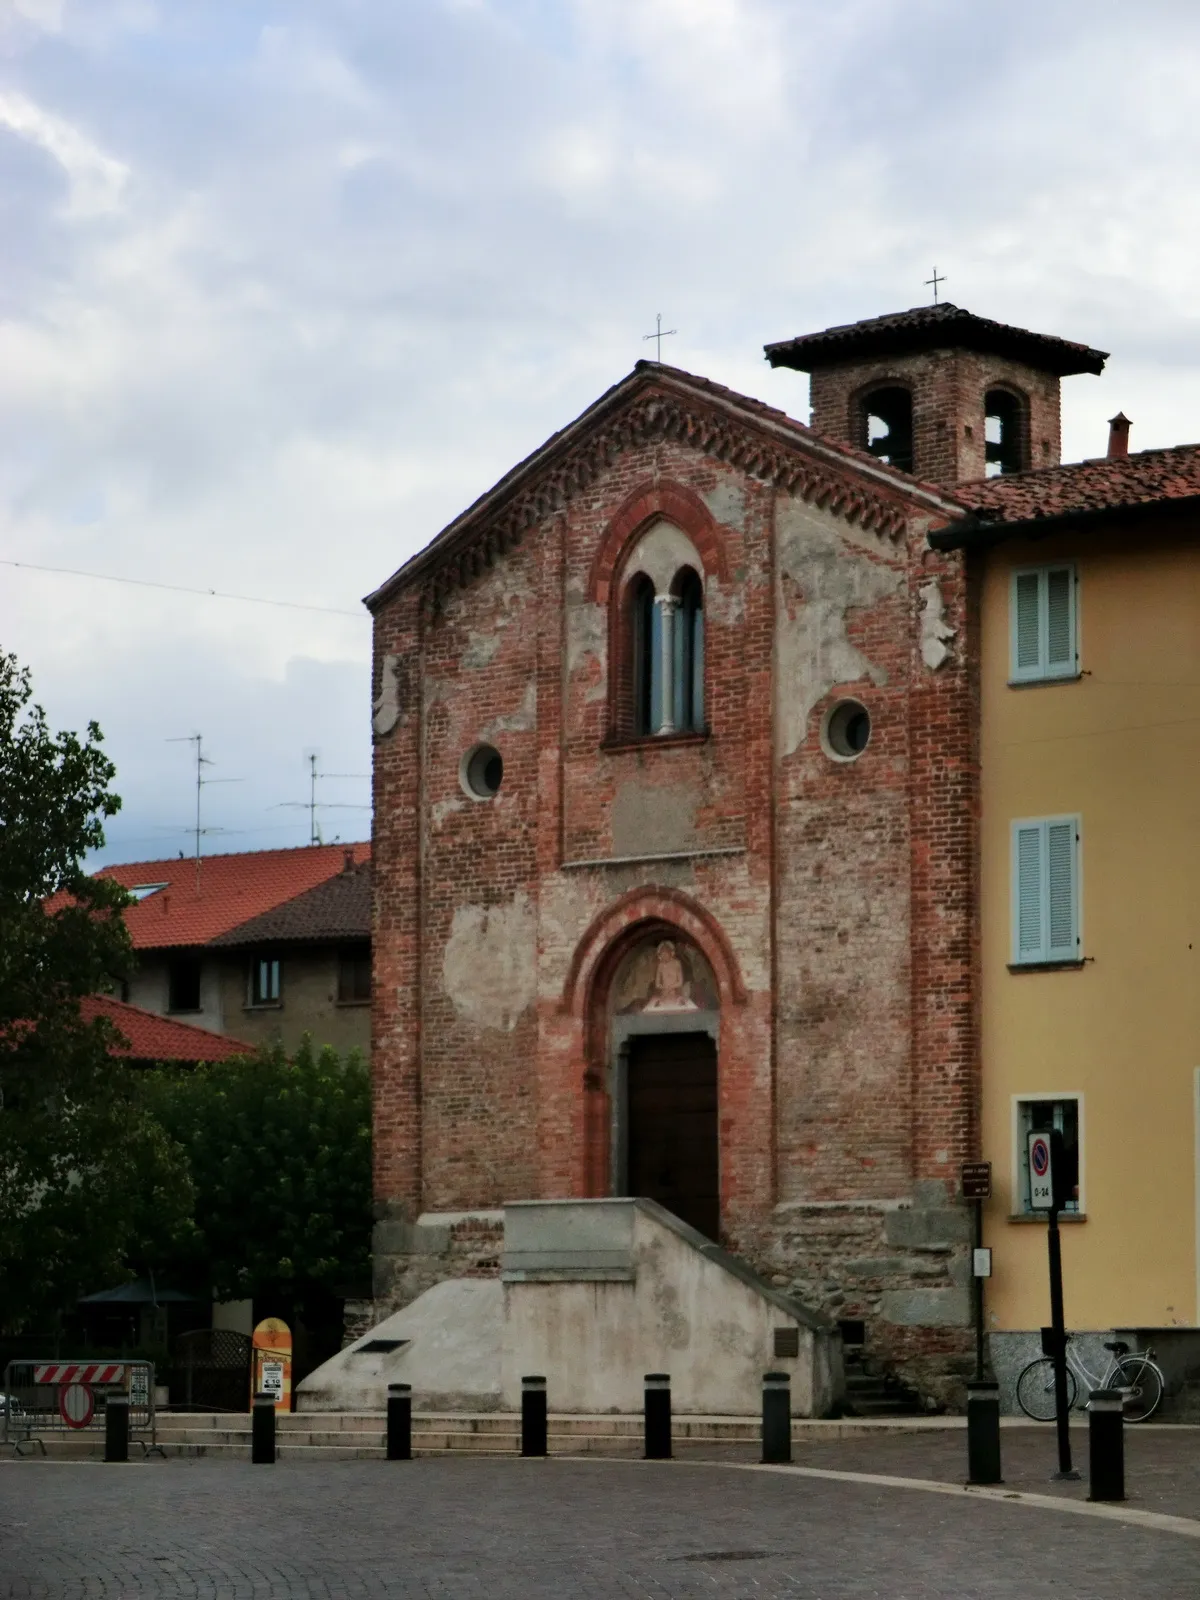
x=312, y=805
x=202, y=783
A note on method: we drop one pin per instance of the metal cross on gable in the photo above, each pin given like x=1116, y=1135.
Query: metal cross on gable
x=660, y=333
x=935, y=280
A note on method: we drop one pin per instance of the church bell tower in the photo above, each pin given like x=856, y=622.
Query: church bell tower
x=938, y=392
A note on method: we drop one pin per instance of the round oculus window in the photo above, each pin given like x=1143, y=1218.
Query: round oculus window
x=482, y=772
x=847, y=730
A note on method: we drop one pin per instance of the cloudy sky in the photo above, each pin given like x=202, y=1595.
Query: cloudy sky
x=285, y=286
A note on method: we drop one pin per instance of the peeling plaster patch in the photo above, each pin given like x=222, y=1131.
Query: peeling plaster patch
x=441, y=809
x=481, y=649
x=935, y=630
x=489, y=968
x=648, y=818
x=727, y=502
x=519, y=721
x=725, y=603
x=395, y=691
x=813, y=649
x=587, y=640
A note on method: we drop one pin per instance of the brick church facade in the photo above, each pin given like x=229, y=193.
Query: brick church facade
x=676, y=812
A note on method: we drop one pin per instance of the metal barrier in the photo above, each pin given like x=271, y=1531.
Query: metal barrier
x=66, y=1399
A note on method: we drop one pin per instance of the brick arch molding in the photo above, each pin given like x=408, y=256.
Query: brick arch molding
x=629, y=919
x=676, y=503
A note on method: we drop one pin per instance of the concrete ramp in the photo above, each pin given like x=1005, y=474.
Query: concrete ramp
x=599, y=1292
x=447, y=1344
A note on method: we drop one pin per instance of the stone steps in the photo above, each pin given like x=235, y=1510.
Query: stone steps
x=342, y=1436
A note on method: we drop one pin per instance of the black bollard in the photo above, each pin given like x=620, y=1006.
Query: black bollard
x=116, y=1428
x=983, y=1433
x=658, y=1416
x=399, y=1422
x=777, y=1417
x=262, y=1430
x=533, y=1416
x=1106, y=1444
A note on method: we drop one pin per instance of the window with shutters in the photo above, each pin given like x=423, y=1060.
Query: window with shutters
x=1045, y=902
x=1061, y=1111
x=1045, y=642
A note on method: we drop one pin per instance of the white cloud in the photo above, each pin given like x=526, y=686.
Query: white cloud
x=288, y=286
x=96, y=179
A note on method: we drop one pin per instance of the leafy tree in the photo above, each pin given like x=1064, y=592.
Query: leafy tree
x=82, y=1169
x=280, y=1155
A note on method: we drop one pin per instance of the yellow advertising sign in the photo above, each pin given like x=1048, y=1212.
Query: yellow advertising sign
x=271, y=1372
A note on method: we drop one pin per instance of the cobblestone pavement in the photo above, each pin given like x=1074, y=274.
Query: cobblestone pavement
x=489, y=1529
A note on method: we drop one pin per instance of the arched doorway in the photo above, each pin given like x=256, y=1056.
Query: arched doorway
x=663, y=1027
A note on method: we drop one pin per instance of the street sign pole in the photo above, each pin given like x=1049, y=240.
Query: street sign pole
x=978, y=1292
x=1047, y=1179
x=1058, y=1323
x=977, y=1186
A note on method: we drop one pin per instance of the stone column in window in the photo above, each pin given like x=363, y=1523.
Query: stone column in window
x=669, y=605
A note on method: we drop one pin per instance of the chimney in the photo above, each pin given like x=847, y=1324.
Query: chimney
x=347, y=860
x=1118, y=435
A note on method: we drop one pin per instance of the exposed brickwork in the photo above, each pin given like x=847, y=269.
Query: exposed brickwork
x=833, y=900
x=948, y=389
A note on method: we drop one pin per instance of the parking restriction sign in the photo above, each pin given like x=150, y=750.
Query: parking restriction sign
x=1041, y=1173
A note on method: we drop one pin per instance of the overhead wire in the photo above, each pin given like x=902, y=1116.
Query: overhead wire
x=182, y=588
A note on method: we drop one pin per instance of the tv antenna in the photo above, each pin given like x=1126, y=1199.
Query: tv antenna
x=312, y=805
x=202, y=783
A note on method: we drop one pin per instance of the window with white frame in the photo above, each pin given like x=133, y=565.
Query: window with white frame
x=1061, y=1112
x=1045, y=891
x=1044, y=624
x=264, y=980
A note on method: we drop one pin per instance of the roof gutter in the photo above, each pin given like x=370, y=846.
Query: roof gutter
x=977, y=533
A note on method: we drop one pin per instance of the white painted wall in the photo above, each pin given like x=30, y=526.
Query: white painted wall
x=684, y=1313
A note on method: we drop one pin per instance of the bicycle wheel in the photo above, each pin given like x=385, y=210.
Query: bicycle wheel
x=1035, y=1390
x=1141, y=1384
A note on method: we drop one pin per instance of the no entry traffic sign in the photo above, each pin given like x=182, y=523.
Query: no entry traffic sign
x=76, y=1404
x=1041, y=1173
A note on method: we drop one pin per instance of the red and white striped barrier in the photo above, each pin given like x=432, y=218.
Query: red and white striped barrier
x=80, y=1372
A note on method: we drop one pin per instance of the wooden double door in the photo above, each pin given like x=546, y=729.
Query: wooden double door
x=672, y=1125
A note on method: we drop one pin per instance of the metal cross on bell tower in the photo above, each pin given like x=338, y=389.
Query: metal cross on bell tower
x=660, y=333
x=935, y=280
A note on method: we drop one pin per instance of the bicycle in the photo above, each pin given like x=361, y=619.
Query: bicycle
x=1138, y=1376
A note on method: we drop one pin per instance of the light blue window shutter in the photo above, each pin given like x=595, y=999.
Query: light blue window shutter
x=1060, y=620
x=1027, y=633
x=1027, y=897
x=1062, y=942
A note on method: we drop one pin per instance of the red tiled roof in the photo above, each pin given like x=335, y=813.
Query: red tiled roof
x=194, y=907
x=1149, y=477
x=153, y=1038
x=928, y=328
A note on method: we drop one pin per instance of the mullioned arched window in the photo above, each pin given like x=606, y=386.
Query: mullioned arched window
x=662, y=606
